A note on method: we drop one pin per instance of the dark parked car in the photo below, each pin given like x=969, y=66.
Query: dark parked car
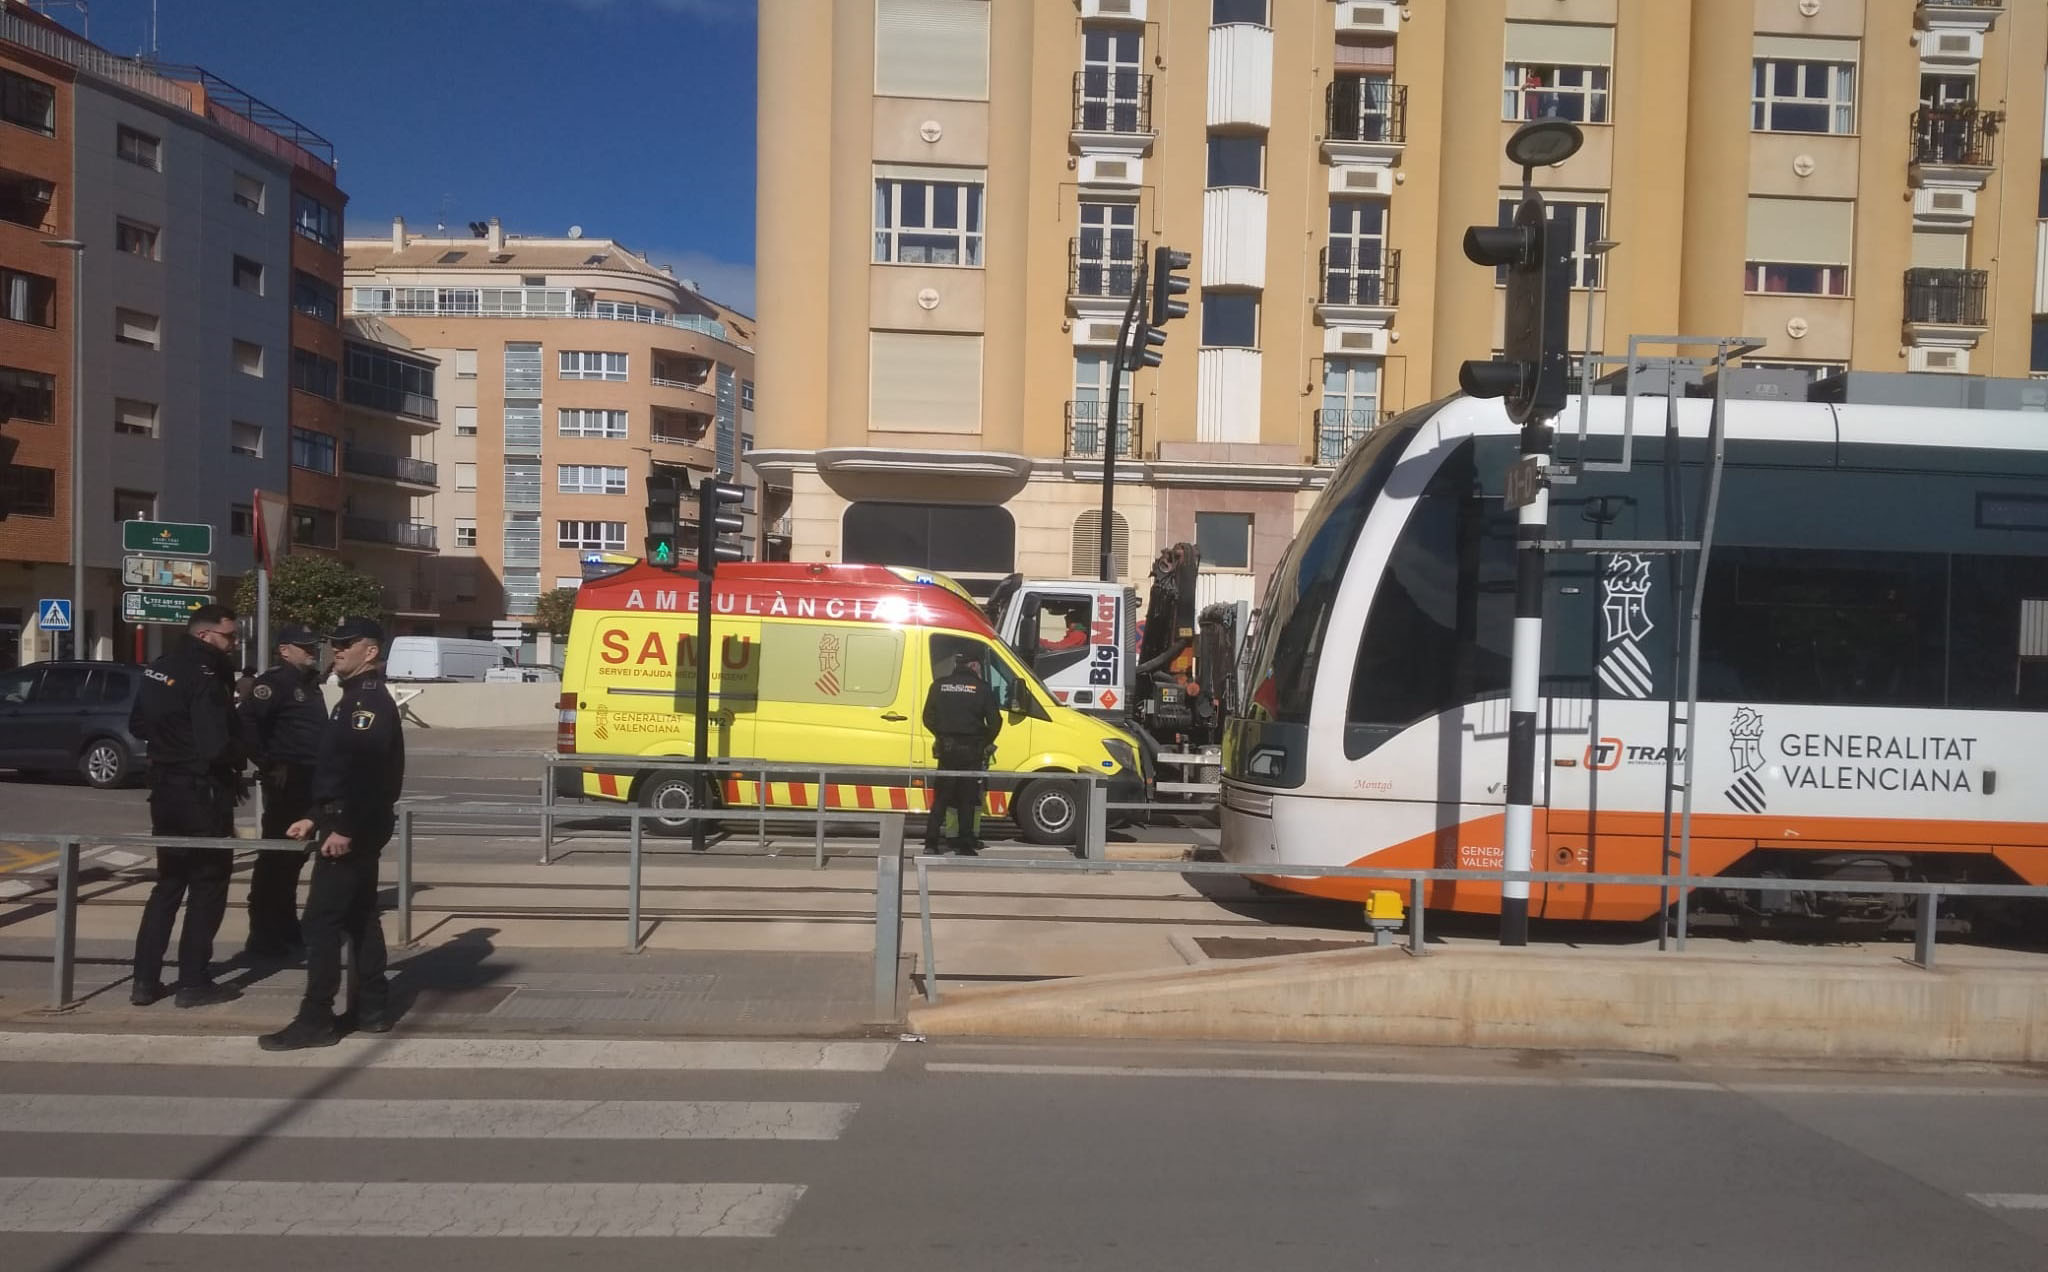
x=71, y=715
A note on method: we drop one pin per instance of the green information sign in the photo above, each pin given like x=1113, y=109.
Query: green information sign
x=160, y=607
x=179, y=538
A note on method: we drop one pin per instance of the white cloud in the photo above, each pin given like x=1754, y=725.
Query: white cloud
x=731, y=282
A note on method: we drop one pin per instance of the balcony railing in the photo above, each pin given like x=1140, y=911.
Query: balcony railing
x=1338, y=429
x=401, y=534
x=1350, y=282
x=391, y=467
x=1962, y=4
x=1095, y=266
x=1947, y=297
x=1086, y=425
x=1962, y=136
x=384, y=397
x=1366, y=109
x=661, y=382
x=521, y=302
x=1112, y=100
x=69, y=49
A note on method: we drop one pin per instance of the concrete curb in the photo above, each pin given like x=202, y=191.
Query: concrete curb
x=1638, y=1003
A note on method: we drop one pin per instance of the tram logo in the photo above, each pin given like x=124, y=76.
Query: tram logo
x=1624, y=669
x=1746, y=752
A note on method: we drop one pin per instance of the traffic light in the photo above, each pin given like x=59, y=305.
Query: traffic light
x=718, y=515
x=1144, y=350
x=664, y=518
x=1530, y=374
x=1166, y=284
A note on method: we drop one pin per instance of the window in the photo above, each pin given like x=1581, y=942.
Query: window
x=313, y=527
x=1799, y=246
x=1091, y=404
x=590, y=479
x=139, y=148
x=522, y=590
x=1583, y=220
x=954, y=538
x=465, y=476
x=1237, y=161
x=249, y=192
x=315, y=374
x=28, y=492
x=27, y=395
x=522, y=369
x=522, y=426
x=1577, y=93
x=248, y=275
x=249, y=358
x=584, y=365
x=29, y=298
x=1803, y=96
x=133, y=327
x=465, y=364
x=928, y=219
x=591, y=536
x=315, y=220
x=135, y=238
x=1224, y=539
x=1776, y=278
x=1351, y=405
x=315, y=298
x=465, y=421
x=1105, y=249
x=1355, y=268
x=25, y=200
x=1224, y=12
x=312, y=451
x=134, y=505
x=465, y=531
x=924, y=382
x=1230, y=319
x=241, y=521
x=522, y=488
x=135, y=418
x=464, y=585
x=932, y=48
x=245, y=438
x=1812, y=370
x=590, y=423
x=746, y=395
x=28, y=103
x=2038, y=365
x=1112, y=97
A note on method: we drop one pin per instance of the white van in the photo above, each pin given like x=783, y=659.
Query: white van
x=443, y=658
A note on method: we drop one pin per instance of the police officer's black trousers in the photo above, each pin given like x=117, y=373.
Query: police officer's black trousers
x=199, y=806
x=341, y=906
x=960, y=796
x=274, y=879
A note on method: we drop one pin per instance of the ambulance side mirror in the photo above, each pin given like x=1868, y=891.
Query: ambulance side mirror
x=1015, y=696
x=1026, y=643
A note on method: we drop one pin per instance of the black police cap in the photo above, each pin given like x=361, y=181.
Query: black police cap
x=357, y=629
x=296, y=634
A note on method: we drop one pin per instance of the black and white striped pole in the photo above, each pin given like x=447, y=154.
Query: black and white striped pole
x=1531, y=377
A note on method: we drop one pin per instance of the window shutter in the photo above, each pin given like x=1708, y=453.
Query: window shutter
x=922, y=382
x=932, y=48
x=1555, y=44
x=1087, y=560
x=1805, y=48
x=1364, y=57
x=1941, y=249
x=1801, y=231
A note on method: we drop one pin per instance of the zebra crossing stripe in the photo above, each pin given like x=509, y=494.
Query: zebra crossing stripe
x=450, y=1053
x=210, y=1207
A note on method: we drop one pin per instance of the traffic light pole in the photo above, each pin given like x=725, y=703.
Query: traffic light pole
x=703, y=749
x=1124, y=330
x=1525, y=669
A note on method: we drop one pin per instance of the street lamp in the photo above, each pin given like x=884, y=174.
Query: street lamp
x=77, y=249
x=1594, y=250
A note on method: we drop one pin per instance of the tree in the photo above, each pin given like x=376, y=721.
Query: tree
x=316, y=590
x=552, y=612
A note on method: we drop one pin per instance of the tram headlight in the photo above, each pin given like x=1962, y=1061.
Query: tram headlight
x=1122, y=752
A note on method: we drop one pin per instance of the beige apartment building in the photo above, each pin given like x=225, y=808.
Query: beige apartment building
x=562, y=372
x=953, y=194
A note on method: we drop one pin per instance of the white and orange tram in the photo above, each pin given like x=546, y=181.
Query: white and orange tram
x=1873, y=660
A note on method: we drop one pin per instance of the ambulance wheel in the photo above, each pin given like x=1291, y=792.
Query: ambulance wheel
x=667, y=792
x=1046, y=813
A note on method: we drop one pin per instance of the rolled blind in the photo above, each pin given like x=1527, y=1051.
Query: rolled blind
x=1805, y=48
x=1555, y=44
x=921, y=382
x=1936, y=249
x=1801, y=231
x=932, y=48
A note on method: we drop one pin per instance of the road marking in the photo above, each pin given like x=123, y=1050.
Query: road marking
x=448, y=1053
x=426, y=1119
x=2012, y=1201
x=14, y=857
x=422, y=1209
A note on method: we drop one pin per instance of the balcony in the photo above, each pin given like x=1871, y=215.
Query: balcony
x=396, y=401
x=1102, y=266
x=1339, y=429
x=1946, y=297
x=398, y=468
x=413, y=602
x=523, y=302
x=1353, y=284
x=1954, y=147
x=1085, y=429
x=412, y=536
x=1112, y=103
x=1365, y=120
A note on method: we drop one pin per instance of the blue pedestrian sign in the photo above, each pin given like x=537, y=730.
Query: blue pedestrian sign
x=53, y=615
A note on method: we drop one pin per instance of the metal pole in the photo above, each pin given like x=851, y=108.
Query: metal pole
x=818, y=829
x=924, y=914
x=1525, y=670
x=65, y=972
x=405, y=876
x=262, y=618
x=888, y=917
x=1717, y=436
x=78, y=649
x=1108, y=431
x=1095, y=799
x=547, y=809
x=1415, y=945
x=707, y=565
x=1923, y=930
x=633, y=891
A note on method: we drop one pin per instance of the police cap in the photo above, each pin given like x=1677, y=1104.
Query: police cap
x=356, y=628
x=296, y=634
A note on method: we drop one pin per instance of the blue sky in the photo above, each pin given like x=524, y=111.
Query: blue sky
x=631, y=118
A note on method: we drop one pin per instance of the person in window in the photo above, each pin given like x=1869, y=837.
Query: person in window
x=964, y=718
x=1534, y=101
x=1076, y=636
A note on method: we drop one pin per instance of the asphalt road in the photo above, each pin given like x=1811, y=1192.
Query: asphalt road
x=196, y=1153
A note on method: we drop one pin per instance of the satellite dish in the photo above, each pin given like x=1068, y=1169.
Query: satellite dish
x=575, y=231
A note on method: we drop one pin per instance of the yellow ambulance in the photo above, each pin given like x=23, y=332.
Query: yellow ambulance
x=812, y=664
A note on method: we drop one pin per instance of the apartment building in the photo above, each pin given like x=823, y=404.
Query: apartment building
x=568, y=369
x=390, y=432
x=954, y=194
x=198, y=230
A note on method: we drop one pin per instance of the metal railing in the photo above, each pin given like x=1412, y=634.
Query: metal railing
x=1947, y=297
x=1338, y=429
x=1362, y=108
x=1096, y=268
x=402, y=534
x=1962, y=4
x=661, y=382
x=366, y=463
x=72, y=51
x=1087, y=422
x=384, y=397
x=1350, y=283
x=1963, y=136
x=1112, y=100
x=521, y=302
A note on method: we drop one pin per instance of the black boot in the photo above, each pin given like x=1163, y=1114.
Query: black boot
x=301, y=1034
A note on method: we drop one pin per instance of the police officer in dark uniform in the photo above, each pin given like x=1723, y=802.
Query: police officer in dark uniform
x=282, y=719
x=186, y=714
x=963, y=716
x=356, y=784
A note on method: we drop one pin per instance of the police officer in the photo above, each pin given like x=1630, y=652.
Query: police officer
x=282, y=719
x=963, y=716
x=356, y=784
x=186, y=715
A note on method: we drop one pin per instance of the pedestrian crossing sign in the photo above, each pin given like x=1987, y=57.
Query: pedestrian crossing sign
x=53, y=615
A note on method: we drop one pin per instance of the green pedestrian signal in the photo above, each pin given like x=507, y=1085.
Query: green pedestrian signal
x=663, y=553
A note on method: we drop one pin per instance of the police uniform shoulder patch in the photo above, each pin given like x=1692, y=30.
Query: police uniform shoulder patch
x=362, y=720
x=261, y=693
x=298, y=695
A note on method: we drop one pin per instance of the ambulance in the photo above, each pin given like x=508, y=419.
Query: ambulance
x=813, y=664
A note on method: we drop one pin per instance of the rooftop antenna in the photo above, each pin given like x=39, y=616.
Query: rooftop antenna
x=85, y=14
x=441, y=221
